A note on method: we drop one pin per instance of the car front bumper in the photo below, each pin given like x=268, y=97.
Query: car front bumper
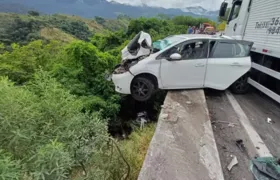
x=122, y=82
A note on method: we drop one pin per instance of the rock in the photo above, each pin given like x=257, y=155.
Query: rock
x=164, y=116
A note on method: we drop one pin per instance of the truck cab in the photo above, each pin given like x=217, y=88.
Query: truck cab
x=237, y=17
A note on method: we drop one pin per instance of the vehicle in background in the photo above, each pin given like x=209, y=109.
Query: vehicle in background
x=258, y=21
x=207, y=29
x=184, y=62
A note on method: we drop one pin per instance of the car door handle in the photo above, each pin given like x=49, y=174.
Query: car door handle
x=236, y=64
x=200, y=65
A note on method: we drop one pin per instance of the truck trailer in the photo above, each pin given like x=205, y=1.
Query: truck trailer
x=258, y=21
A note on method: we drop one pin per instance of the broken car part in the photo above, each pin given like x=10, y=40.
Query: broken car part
x=233, y=162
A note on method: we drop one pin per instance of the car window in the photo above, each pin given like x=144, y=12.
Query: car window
x=188, y=50
x=164, y=43
x=195, y=50
x=235, y=10
x=166, y=54
x=230, y=50
x=212, y=44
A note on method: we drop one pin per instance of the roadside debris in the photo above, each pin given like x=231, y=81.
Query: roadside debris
x=269, y=121
x=233, y=162
x=142, y=118
x=225, y=122
x=189, y=102
x=240, y=145
x=265, y=168
x=231, y=125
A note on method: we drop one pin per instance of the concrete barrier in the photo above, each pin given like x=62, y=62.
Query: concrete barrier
x=183, y=147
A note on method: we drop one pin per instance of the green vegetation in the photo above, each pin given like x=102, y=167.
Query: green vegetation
x=23, y=29
x=55, y=105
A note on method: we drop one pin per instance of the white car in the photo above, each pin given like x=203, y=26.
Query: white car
x=182, y=62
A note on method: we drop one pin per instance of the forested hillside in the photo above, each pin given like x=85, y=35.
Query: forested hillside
x=103, y=8
x=60, y=119
x=22, y=29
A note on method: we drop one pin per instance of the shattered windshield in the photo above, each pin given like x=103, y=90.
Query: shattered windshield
x=164, y=43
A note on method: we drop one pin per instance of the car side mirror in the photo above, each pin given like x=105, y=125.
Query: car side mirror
x=223, y=9
x=175, y=56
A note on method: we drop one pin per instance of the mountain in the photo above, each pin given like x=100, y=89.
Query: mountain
x=103, y=8
x=198, y=10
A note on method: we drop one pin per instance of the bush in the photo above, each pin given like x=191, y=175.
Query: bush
x=52, y=161
x=21, y=63
x=83, y=71
x=9, y=168
x=46, y=112
x=125, y=158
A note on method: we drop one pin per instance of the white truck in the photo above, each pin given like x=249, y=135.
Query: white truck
x=258, y=21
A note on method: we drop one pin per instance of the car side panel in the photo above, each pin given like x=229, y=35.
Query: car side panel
x=183, y=74
x=149, y=66
x=223, y=72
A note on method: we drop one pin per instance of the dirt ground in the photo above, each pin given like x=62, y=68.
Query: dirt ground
x=227, y=130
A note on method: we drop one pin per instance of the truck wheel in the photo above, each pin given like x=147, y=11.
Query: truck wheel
x=241, y=86
x=142, y=89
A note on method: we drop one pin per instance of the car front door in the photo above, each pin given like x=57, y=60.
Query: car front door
x=187, y=72
x=228, y=61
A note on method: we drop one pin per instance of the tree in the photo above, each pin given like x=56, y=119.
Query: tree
x=76, y=28
x=99, y=20
x=33, y=13
x=20, y=31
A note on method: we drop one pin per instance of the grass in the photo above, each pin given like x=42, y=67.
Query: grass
x=135, y=148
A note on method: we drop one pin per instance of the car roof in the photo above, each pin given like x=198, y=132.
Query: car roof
x=200, y=36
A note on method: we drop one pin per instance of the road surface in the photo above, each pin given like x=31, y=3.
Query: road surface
x=227, y=129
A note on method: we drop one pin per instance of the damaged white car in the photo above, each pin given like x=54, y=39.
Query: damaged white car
x=182, y=62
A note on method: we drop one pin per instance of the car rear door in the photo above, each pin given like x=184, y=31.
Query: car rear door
x=187, y=72
x=228, y=61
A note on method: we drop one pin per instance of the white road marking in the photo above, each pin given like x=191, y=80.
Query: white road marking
x=256, y=141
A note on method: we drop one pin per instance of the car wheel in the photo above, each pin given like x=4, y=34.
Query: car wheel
x=142, y=89
x=241, y=86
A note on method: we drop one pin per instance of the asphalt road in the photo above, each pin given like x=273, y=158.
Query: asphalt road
x=227, y=130
x=258, y=108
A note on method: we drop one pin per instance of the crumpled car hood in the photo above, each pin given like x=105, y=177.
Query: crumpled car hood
x=140, y=45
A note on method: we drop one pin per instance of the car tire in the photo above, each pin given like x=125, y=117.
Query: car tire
x=241, y=86
x=142, y=88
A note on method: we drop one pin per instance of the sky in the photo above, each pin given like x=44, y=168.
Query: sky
x=207, y=4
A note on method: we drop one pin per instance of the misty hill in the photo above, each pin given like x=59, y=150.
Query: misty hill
x=103, y=8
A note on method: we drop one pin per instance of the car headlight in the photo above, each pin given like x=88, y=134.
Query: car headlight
x=120, y=70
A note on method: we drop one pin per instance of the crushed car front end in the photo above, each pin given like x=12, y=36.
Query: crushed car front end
x=138, y=49
x=122, y=78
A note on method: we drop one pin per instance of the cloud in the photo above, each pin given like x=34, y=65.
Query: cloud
x=207, y=4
